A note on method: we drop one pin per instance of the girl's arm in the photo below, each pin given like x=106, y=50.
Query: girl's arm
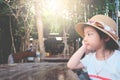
x=74, y=61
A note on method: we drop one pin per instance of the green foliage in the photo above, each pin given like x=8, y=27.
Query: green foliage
x=1, y=1
x=72, y=12
x=56, y=14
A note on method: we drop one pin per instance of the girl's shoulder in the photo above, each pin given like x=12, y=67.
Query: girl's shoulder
x=116, y=55
x=117, y=52
x=116, y=59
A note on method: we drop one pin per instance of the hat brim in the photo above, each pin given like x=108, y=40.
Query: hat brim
x=80, y=30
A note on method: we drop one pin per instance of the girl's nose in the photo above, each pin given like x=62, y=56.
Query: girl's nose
x=85, y=39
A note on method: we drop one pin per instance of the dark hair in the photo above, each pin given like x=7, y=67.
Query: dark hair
x=111, y=44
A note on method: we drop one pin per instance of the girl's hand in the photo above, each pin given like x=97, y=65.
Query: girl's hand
x=86, y=50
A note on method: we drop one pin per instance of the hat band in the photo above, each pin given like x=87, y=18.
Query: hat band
x=101, y=25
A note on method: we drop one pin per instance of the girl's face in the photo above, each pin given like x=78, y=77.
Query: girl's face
x=92, y=39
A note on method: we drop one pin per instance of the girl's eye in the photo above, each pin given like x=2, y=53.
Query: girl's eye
x=89, y=34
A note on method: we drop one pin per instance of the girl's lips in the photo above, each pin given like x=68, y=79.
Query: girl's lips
x=86, y=44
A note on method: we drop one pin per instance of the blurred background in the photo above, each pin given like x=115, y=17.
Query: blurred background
x=47, y=26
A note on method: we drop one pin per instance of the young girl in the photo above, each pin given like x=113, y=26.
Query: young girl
x=100, y=46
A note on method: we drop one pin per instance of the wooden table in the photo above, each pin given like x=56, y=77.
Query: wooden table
x=55, y=59
x=36, y=71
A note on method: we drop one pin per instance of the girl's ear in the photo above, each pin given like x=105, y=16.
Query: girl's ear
x=106, y=39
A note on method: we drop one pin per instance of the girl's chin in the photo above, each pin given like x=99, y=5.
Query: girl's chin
x=91, y=50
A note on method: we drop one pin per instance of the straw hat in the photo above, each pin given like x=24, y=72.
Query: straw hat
x=101, y=22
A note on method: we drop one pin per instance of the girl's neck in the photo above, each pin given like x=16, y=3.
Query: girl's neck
x=103, y=54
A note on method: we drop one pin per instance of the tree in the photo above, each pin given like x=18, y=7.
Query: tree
x=24, y=19
x=39, y=26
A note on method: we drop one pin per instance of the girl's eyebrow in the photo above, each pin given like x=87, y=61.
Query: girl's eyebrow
x=90, y=31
